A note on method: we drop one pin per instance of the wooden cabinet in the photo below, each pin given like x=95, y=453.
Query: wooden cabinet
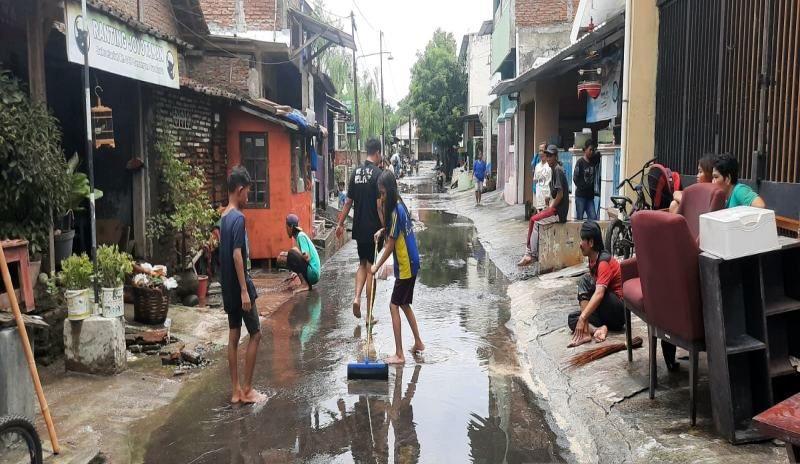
x=751, y=309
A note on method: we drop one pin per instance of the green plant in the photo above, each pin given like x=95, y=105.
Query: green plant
x=184, y=209
x=112, y=266
x=76, y=272
x=32, y=167
x=79, y=188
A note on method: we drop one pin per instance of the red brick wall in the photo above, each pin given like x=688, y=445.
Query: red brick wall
x=221, y=71
x=259, y=15
x=157, y=13
x=543, y=12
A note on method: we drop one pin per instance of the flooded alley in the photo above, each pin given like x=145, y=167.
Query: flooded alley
x=460, y=401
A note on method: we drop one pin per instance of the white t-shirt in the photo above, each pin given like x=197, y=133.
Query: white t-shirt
x=542, y=175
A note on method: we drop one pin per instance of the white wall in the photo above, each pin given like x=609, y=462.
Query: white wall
x=479, y=72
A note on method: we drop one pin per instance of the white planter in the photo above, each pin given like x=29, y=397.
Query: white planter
x=112, y=302
x=79, y=306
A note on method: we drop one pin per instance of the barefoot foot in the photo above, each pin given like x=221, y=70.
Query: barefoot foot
x=236, y=397
x=418, y=348
x=527, y=260
x=586, y=339
x=357, y=309
x=253, y=396
x=395, y=360
x=600, y=334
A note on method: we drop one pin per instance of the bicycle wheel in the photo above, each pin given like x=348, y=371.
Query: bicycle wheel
x=18, y=439
x=618, y=240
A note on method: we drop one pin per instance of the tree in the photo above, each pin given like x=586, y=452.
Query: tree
x=438, y=91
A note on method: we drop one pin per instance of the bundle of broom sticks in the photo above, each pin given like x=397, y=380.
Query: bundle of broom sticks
x=582, y=359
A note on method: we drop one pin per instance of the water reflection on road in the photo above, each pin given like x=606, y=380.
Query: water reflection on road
x=459, y=402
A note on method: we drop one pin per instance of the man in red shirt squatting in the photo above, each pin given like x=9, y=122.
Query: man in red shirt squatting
x=599, y=292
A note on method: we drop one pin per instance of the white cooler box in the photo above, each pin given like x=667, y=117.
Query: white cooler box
x=736, y=232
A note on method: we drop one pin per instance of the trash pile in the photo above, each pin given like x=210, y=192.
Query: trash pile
x=184, y=358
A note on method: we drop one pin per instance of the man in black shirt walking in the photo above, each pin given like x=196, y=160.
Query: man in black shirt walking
x=362, y=195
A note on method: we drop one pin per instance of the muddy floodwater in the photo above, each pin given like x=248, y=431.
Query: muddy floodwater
x=461, y=401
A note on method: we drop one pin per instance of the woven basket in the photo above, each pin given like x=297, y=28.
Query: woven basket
x=150, y=305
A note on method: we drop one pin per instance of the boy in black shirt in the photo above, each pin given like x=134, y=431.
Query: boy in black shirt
x=238, y=292
x=585, y=177
x=362, y=194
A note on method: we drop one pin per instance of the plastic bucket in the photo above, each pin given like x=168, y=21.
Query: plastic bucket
x=112, y=301
x=78, y=304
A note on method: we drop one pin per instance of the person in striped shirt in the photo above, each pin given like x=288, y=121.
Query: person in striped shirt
x=400, y=240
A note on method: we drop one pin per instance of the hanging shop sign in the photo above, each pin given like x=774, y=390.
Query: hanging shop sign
x=606, y=105
x=117, y=48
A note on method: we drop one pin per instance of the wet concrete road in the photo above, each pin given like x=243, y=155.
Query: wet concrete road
x=459, y=402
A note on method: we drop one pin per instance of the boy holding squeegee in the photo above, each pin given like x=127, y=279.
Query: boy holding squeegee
x=400, y=240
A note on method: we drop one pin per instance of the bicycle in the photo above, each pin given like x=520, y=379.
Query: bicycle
x=18, y=435
x=619, y=238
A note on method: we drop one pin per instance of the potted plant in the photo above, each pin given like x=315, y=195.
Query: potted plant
x=32, y=167
x=112, y=267
x=76, y=277
x=79, y=191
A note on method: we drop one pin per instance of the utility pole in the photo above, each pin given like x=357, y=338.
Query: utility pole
x=410, y=152
x=355, y=91
x=87, y=103
x=383, y=106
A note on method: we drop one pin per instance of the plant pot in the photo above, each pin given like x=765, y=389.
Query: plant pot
x=79, y=305
x=63, y=245
x=202, y=288
x=34, y=268
x=112, y=301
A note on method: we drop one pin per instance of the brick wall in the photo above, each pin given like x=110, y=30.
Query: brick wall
x=188, y=118
x=543, y=12
x=157, y=13
x=259, y=15
x=224, y=72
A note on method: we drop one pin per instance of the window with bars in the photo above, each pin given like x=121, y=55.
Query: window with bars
x=255, y=158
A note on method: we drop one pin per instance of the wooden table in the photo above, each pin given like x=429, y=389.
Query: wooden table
x=16, y=251
x=782, y=421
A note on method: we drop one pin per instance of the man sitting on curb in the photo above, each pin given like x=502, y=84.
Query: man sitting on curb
x=599, y=292
x=556, y=210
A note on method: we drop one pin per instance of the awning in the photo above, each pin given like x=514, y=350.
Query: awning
x=335, y=106
x=320, y=29
x=568, y=58
x=263, y=114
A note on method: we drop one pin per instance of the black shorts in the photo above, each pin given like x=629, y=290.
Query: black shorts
x=366, y=251
x=250, y=318
x=297, y=263
x=403, y=293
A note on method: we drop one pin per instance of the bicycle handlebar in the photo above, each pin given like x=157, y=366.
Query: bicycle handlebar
x=638, y=173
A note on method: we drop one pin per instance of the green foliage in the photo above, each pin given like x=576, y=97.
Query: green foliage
x=32, y=167
x=76, y=272
x=185, y=208
x=79, y=188
x=439, y=90
x=112, y=266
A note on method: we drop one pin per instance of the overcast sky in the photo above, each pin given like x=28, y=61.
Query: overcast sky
x=407, y=27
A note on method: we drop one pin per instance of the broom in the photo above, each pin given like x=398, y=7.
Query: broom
x=582, y=359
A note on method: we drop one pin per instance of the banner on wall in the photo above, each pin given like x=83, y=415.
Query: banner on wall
x=606, y=106
x=117, y=48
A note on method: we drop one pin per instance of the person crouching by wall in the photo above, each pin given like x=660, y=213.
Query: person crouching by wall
x=599, y=291
x=303, y=259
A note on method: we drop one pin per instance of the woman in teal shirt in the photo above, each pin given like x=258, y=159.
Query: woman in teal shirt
x=726, y=175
